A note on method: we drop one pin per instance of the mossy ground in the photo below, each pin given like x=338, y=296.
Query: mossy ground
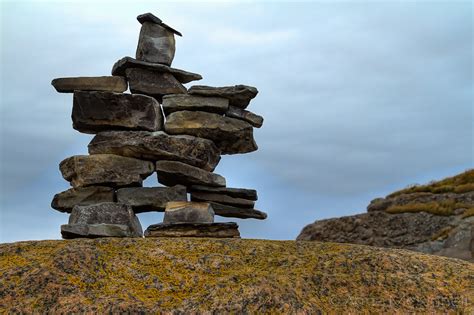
x=209, y=275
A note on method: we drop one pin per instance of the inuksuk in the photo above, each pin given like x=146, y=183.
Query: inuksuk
x=163, y=127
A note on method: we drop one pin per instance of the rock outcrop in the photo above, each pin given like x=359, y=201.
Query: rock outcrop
x=203, y=276
x=437, y=218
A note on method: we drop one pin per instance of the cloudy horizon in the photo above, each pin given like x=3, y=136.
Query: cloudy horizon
x=359, y=99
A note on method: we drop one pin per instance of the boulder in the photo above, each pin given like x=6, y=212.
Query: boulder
x=216, y=230
x=188, y=212
x=172, y=173
x=179, y=102
x=237, y=212
x=231, y=135
x=224, y=199
x=152, y=83
x=146, y=199
x=102, y=219
x=109, y=84
x=238, y=95
x=156, y=146
x=250, y=194
x=82, y=196
x=105, y=169
x=129, y=62
x=245, y=115
x=101, y=111
x=155, y=44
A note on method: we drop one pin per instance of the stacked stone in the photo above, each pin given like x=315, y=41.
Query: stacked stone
x=160, y=127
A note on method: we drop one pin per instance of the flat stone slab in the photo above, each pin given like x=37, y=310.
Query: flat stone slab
x=152, y=83
x=98, y=215
x=179, y=102
x=156, y=146
x=149, y=17
x=217, y=230
x=105, y=169
x=104, y=111
x=188, y=212
x=231, y=136
x=182, y=76
x=82, y=196
x=146, y=199
x=237, y=212
x=172, y=173
x=250, y=194
x=109, y=84
x=245, y=115
x=221, y=198
x=238, y=95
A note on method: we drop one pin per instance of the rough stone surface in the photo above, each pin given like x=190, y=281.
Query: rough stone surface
x=194, y=275
x=101, y=111
x=105, y=169
x=152, y=83
x=156, y=44
x=215, y=230
x=220, y=198
x=82, y=196
x=102, y=213
x=110, y=84
x=129, y=62
x=242, y=114
x=179, y=102
x=188, y=212
x=237, y=212
x=231, y=135
x=156, y=146
x=250, y=194
x=145, y=199
x=238, y=95
x=70, y=231
x=172, y=173
x=149, y=17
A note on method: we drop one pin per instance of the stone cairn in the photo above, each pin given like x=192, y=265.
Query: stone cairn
x=160, y=127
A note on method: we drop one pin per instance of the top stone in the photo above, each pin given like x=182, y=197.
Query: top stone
x=149, y=17
x=238, y=95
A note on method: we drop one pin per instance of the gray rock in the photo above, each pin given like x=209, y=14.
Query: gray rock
x=105, y=169
x=237, y=212
x=102, y=111
x=182, y=76
x=146, y=199
x=82, y=196
x=156, y=44
x=156, y=146
x=238, y=95
x=250, y=194
x=188, y=212
x=152, y=83
x=179, y=102
x=217, y=230
x=231, y=135
x=242, y=114
x=108, y=84
x=94, y=221
x=223, y=199
x=172, y=173
x=149, y=17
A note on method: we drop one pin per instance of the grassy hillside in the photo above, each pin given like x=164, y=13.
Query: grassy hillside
x=204, y=275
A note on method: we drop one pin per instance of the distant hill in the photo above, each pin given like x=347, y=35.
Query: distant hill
x=436, y=218
x=182, y=276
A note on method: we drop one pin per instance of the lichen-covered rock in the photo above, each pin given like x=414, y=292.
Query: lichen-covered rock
x=172, y=173
x=105, y=169
x=183, y=275
x=145, y=199
x=194, y=229
x=188, y=212
x=232, y=136
x=238, y=95
x=82, y=196
x=174, y=103
x=158, y=145
x=153, y=83
x=103, y=111
x=109, y=84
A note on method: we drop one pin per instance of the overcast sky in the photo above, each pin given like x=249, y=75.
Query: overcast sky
x=359, y=99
